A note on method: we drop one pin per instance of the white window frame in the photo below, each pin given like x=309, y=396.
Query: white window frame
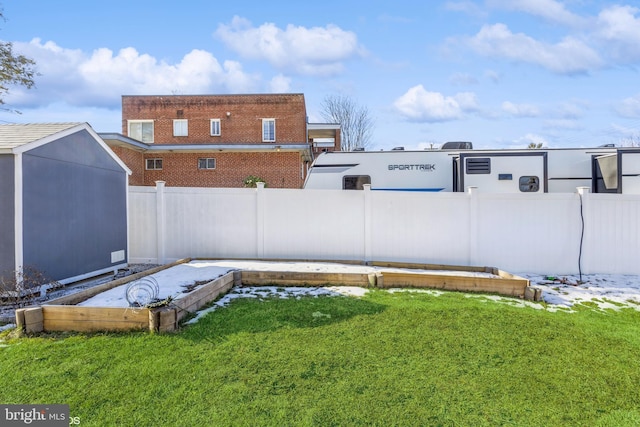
x=154, y=167
x=266, y=131
x=218, y=125
x=180, y=127
x=208, y=161
x=132, y=134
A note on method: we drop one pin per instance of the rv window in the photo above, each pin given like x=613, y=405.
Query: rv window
x=355, y=182
x=529, y=184
x=478, y=165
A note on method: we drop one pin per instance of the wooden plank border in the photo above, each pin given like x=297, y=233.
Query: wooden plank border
x=514, y=287
x=60, y=315
x=293, y=278
x=91, y=319
x=203, y=295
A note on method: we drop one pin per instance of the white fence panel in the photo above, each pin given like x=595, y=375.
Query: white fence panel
x=535, y=233
x=613, y=233
x=143, y=231
x=428, y=228
x=529, y=232
x=210, y=222
x=313, y=224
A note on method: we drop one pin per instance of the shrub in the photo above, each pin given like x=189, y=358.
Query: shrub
x=19, y=288
x=252, y=181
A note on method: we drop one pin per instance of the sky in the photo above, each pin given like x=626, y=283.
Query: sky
x=498, y=73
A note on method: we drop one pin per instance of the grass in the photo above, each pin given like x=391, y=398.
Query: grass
x=386, y=359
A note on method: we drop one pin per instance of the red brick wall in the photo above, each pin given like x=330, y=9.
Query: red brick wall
x=242, y=126
x=279, y=170
x=134, y=161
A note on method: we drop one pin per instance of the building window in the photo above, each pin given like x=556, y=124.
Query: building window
x=529, y=184
x=268, y=130
x=181, y=127
x=208, y=163
x=154, y=164
x=355, y=182
x=142, y=130
x=215, y=127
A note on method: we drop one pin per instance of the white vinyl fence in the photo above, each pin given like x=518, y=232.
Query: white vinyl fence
x=535, y=233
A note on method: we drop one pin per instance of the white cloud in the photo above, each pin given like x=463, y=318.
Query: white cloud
x=629, y=107
x=462, y=79
x=467, y=7
x=572, y=110
x=100, y=78
x=318, y=51
x=619, y=27
x=420, y=105
x=569, y=56
x=550, y=10
x=280, y=84
x=563, y=124
x=530, y=138
x=520, y=110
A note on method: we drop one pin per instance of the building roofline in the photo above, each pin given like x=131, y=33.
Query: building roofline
x=228, y=147
x=216, y=95
x=323, y=126
x=113, y=136
x=194, y=147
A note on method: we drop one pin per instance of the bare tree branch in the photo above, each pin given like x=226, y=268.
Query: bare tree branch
x=355, y=121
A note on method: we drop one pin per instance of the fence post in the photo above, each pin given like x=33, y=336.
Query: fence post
x=160, y=222
x=584, y=194
x=367, y=223
x=260, y=196
x=472, y=241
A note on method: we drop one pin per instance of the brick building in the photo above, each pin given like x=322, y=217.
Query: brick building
x=219, y=140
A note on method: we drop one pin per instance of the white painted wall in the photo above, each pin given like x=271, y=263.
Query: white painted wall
x=536, y=233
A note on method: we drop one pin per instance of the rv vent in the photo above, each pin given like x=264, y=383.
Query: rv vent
x=478, y=165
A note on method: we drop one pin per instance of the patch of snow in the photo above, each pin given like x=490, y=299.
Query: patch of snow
x=601, y=291
x=7, y=326
x=558, y=293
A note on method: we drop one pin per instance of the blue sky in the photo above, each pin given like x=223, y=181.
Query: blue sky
x=499, y=73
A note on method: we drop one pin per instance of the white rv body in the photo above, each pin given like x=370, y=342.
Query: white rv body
x=387, y=170
x=603, y=169
x=629, y=171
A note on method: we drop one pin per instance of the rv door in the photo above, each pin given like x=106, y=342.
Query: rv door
x=605, y=173
x=507, y=172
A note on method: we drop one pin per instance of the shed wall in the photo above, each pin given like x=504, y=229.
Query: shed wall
x=74, y=199
x=7, y=214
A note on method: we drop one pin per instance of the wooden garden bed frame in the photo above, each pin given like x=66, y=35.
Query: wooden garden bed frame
x=63, y=315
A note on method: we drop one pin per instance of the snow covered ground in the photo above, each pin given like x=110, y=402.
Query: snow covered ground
x=558, y=293
x=175, y=280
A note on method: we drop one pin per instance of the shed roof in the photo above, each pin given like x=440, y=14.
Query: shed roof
x=16, y=135
x=20, y=138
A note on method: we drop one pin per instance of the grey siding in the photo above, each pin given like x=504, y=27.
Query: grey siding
x=74, y=201
x=7, y=213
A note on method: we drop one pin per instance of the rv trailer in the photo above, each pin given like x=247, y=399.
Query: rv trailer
x=603, y=169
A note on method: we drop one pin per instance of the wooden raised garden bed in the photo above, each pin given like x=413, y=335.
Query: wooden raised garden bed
x=63, y=315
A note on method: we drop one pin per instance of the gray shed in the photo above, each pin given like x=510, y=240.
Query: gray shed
x=63, y=202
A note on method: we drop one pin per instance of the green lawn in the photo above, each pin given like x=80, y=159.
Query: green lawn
x=386, y=359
